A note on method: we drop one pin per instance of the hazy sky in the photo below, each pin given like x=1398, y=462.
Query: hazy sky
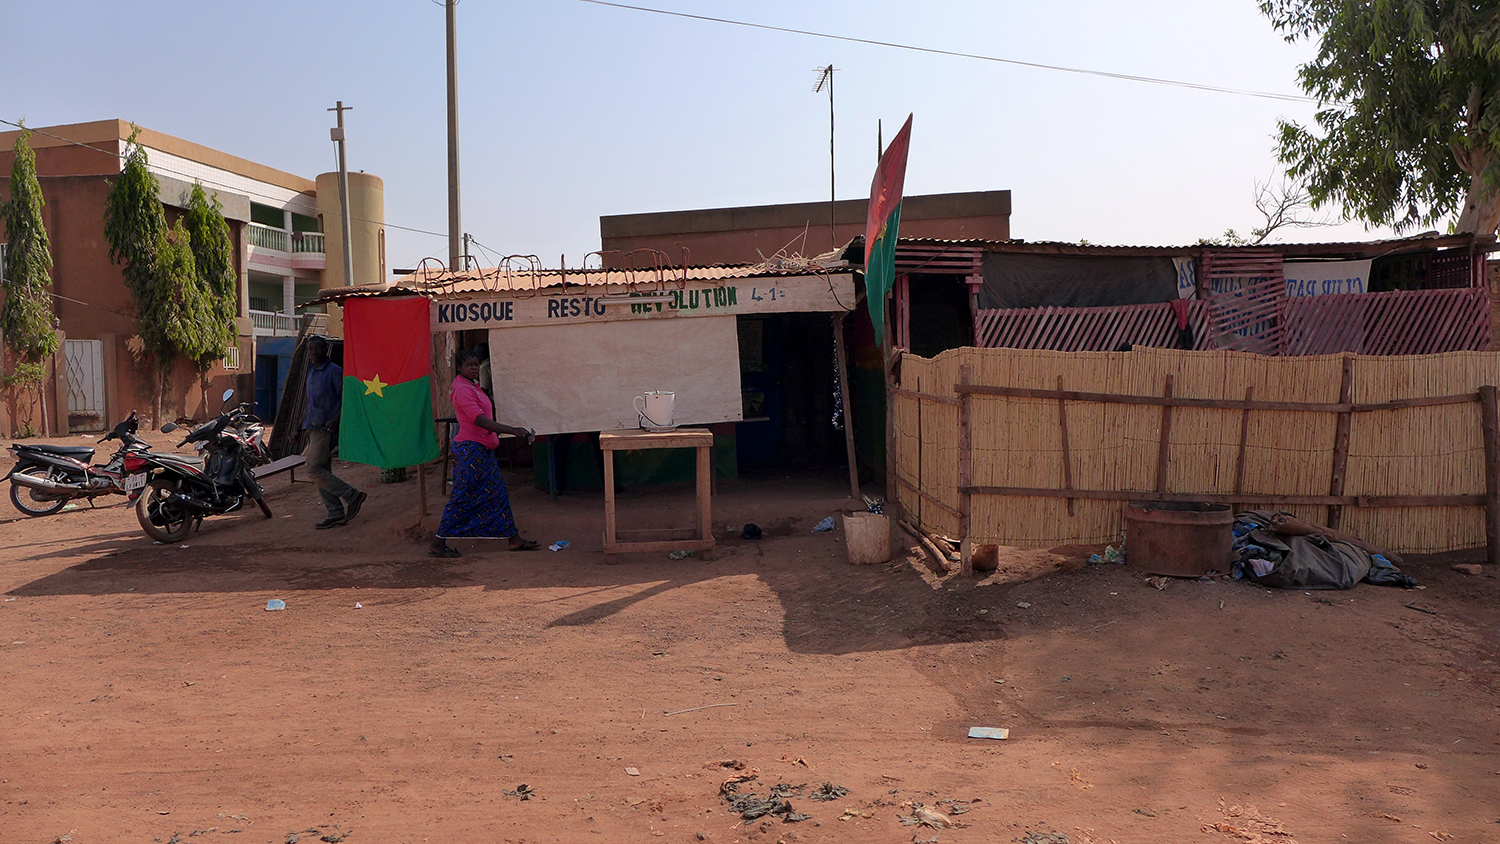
x=570, y=110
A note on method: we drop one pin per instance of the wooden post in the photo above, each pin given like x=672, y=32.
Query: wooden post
x=705, y=493
x=965, y=472
x=1239, y=460
x=609, y=498
x=1164, y=451
x=890, y=357
x=1062, y=421
x=839, y=352
x=422, y=490
x=1341, y=444
x=1490, y=420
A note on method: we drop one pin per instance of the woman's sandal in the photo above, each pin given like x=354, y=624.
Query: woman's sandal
x=446, y=551
x=526, y=545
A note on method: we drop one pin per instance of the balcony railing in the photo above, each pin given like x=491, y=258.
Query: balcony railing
x=269, y=237
x=270, y=322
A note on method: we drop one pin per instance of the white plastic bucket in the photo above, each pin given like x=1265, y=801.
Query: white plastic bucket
x=868, y=536
x=655, y=408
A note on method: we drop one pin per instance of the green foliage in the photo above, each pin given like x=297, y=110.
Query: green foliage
x=1409, y=113
x=27, y=318
x=26, y=374
x=182, y=317
x=135, y=227
x=213, y=260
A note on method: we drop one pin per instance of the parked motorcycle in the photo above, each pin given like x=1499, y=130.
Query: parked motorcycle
x=176, y=491
x=46, y=477
x=252, y=432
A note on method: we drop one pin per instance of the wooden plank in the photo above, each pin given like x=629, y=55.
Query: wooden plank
x=705, y=494
x=965, y=471
x=929, y=497
x=1067, y=460
x=1164, y=447
x=632, y=440
x=1341, y=444
x=1233, y=498
x=839, y=352
x=1239, y=460
x=1490, y=422
x=1221, y=404
x=276, y=467
x=609, y=496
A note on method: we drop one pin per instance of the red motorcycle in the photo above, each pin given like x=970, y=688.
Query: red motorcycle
x=46, y=477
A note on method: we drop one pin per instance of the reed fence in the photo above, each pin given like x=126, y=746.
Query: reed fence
x=1044, y=448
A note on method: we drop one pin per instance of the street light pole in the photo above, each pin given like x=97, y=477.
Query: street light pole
x=338, y=138
x=455, y=223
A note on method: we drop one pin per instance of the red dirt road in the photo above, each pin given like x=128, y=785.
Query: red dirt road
x=149, y=697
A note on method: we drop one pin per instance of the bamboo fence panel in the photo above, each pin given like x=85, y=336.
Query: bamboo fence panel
x=1017, y=442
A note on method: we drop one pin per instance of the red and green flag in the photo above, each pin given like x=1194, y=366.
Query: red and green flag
x=881, y=225
x=387, y=416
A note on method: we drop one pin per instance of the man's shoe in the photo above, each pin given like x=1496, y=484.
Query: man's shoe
x=330, y=522
x=351, y=509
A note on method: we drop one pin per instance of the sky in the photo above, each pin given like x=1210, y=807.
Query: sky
x=571, y=110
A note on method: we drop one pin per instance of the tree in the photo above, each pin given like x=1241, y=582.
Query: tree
x=1409, y=113
x=1284, y=207
x=26, y=319
x=173, y=315
x=213, y=260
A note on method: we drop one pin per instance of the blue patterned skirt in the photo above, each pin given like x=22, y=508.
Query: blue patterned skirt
x=479, y=507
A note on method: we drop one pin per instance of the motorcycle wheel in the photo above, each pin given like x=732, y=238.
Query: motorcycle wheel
x=264, y=507
x=24, y=497
x=161, y=519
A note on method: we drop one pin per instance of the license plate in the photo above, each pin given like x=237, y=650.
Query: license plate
x=134, y=482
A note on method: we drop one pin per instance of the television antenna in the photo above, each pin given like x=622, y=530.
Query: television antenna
x=825, y=80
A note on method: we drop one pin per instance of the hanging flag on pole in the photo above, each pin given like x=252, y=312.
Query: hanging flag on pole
x=881, y=225
x=387, y=415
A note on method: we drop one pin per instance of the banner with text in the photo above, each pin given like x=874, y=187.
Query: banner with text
x=1325, y=278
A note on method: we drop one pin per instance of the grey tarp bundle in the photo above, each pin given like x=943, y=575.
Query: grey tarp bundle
x=1314, y=562
x=1075, y=281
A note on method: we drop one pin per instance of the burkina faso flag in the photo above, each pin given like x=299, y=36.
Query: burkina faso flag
x=882, y=227
x=387, y=416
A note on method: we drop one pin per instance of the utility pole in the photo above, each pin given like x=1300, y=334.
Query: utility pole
x=455, y=223
x=467, y=238
x=825, y=76
x=337, y=133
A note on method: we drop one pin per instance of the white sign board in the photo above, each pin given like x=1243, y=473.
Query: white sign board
x=561, y=379
x=1325, y=278
x=776, y=294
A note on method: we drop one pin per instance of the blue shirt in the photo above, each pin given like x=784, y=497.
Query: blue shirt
x=325, y=394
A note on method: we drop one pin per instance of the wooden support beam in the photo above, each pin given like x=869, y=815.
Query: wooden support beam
x=1239, y=460
x=1067, y=459
x=1221, y=404
x=1341, y=443
x=1164, y=448
x=965, y=472
x=1490, y=423
x=1233, y=498
x=840, y=351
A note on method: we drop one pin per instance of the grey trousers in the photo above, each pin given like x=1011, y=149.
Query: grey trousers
x=333, y=490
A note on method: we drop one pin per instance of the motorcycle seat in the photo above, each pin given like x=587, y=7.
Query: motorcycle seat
x=178, y=458
x=66, y=450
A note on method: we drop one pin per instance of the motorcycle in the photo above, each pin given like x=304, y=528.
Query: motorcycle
x=252, y=432
x=174, y=492
x=46, y=477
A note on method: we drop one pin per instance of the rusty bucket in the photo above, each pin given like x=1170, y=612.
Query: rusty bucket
x=1178, y=538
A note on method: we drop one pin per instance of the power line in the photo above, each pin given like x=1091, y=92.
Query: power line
x=1244, y=92
x=197, y=178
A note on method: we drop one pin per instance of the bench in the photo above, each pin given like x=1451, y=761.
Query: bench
x=276, y=467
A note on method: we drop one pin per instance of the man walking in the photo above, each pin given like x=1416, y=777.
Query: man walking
x=325, y=397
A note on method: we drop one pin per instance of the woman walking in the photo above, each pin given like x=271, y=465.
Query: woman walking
x=479, y=507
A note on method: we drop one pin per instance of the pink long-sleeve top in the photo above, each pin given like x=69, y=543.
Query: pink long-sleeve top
x=469, y=403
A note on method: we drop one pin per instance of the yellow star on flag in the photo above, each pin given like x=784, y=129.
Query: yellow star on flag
x=375, y=385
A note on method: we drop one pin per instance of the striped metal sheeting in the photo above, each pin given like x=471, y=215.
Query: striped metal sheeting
x=1403, y=322
x=1089, y=329
x=1245, y=291
x=1408, y=322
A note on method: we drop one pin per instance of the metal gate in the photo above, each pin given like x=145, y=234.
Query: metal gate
x=85, y=362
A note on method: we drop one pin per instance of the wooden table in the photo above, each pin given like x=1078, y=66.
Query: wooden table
x=652, y=540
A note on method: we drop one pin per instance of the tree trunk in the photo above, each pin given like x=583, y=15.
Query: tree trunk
x=1481, y=212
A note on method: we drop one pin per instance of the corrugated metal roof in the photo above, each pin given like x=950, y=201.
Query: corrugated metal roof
x=442, y=284
x=1364, y=249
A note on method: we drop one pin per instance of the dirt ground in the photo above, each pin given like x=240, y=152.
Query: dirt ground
x=148, y=695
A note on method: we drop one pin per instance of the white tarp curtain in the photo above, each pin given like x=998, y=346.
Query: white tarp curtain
x=561, y=379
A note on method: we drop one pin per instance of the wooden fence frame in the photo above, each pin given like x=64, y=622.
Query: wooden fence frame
x=965, y=394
